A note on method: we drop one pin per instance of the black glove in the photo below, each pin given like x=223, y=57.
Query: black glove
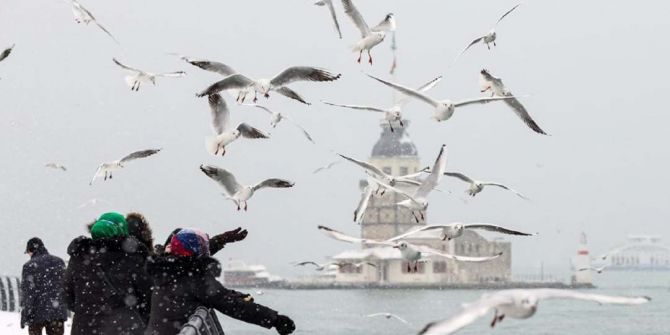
x=284, y=325
x=234, y=235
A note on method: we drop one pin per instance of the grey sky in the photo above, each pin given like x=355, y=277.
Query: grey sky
x=594, y=70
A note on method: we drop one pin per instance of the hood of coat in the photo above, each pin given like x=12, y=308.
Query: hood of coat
x=168, y=267
x=83, y=245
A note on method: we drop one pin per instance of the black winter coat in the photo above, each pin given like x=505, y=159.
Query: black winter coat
x=107, y=286
x=181, y=284
x=42, y=290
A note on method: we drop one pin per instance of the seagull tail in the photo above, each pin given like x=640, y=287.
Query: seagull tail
x=211, y=144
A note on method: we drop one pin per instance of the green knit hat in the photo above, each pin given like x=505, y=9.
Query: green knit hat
x=109, y=225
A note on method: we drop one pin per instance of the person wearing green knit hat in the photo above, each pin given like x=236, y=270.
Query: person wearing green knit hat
x=109, y=225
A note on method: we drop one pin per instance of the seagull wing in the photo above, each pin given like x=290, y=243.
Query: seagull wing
x=404, y=99
x=475, y=41
x=211, y=66
x=359, y=213
x=235, y=81
x=356, y=17
x=139, y=154
x=126, y=67
x=505, y=187
x=302, y=73
x=440, y=253
x=328, y=166
x=367, y=166
x=399, y=319
x=291, y=94
x=358, y=107
x=331, y=9
x=468, y=315
x=223, y=177
x=106, y=31
x=5, y=53
x=459, y=176
x=176, y=74
x=220, y=113
x=521, y=111
x=334, y=234
x=599, y=298
x=260, y=107
x=417, y=230
x=297, y=125
x=99, y=172
x=408, y=91
x=506, y=13
x=308, y=263
x=248, y=131
x=273, y=183
x=435, y=176
x=495, y=228
x=481, y=100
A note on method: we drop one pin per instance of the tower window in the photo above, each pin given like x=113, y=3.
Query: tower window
x=404, y=170
x=387, y=169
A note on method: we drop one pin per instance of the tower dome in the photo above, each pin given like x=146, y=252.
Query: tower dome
x=394, y=143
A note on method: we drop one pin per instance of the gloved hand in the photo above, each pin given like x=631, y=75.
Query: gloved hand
x=217, y=242
x=284, y=325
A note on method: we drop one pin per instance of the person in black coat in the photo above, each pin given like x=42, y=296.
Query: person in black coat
x=41, y=291
x=106, y=283
x=184, y=278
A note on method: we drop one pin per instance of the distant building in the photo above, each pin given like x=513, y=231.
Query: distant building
x=396, y=154
x=237, y=273
x=641, y=252
x=582, y=261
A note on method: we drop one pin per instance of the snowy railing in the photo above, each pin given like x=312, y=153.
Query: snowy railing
x=9, y=294
x=202, y=322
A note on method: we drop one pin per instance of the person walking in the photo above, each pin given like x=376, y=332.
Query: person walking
x=42, y=301
x=106, y=283
x=184, y=278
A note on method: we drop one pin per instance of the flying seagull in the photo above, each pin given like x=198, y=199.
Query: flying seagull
x=245, y=85
x=489, y=37
x=409, y=252
x=369, y=37
x=83, y=15
x=387, y=316
x=326, y=167
x=137, y=77
x=444, y=109
x=393, y=113
x=221, y=126
x=56, y=166
x=454, y=230
x=236, y=192
x=324, y=266
x=276, y=117
x=518, y=304
x=331, y=9
x=598, y=270
x=377, y=173
x=489, y=82
x=359, y=212
x=5, y=53
x=477, y=186
x=105, y=169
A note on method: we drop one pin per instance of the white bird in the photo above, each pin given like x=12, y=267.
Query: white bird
x=83, y=15
x=338, y=264
x=409, y=252
x=489, y=37
x=105, y=169
x=387, y=316
x=56, y=166
x=377, y=173
x=444, y=109
x=518, y=304
x=596, y=269
x=369, y=37
x=454, y=230
x=488, y=82
x=5, y=53
x=245, y=85
x=276, y=117
x=221, y=125
x=359, y=212
x=393, y=113
x=137, y=77
x=333, y=15
x=326, y=167
x=477, y=186
x=236, y=192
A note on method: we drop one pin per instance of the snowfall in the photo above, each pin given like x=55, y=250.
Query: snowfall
x=10, y=324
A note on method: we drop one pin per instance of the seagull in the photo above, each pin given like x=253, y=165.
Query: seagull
x=598, y=270
x=82, y=14
x=488, y=82
x=409, y=252
x=236, y=192
x=136, y=77
x=489, y=38
x=518, y=304
x=56, y=166
x=331, y=9
x=245, y=85
x=369, y=37
x=105, y=169
x=393, y=113
x=5, y=53
x=454, y=230
x=326, y=167
x=477, y=186
x=324, y=266
x=613, y=251
x=221, y=126
x=418, y=201
x=359, y=212
x=444, y=109
x=276, y=117
x=377, y=173
x=388, y=316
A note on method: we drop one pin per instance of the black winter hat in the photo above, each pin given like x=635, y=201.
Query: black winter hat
x=34, y=244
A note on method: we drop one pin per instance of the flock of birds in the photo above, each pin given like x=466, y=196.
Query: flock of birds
x=415, y=187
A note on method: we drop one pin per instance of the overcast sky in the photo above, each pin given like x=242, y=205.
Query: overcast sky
x=594, y=71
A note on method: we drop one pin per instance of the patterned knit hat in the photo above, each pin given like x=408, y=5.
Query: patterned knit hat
x=109, y=225
x=189, y=242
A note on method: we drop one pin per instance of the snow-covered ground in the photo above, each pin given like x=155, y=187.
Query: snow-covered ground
x=10, y=324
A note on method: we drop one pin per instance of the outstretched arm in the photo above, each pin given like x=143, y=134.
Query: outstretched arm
x=216, y=243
